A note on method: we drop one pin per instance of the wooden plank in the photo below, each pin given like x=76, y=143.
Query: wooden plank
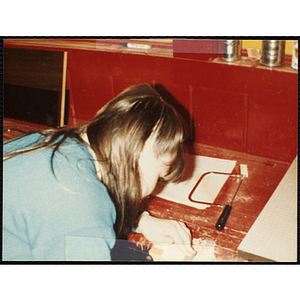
x=159, y=47
x=63, y=91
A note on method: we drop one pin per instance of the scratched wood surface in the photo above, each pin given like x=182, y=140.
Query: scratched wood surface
x=264, y=176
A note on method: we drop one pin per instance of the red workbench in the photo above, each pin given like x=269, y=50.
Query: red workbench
x=264, y=176
x=255, y=191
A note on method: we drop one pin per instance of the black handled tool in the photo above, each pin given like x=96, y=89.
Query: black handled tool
x=226, y=212
x=223, y=218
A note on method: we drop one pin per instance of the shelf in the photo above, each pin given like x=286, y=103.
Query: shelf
x=254, y=63
x=159, y=47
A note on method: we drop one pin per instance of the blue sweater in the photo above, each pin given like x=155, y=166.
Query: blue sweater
x=68, y=216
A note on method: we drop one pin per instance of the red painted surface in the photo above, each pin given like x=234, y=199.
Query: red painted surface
x=89, y=82
x=247, y=109
x=219, y=117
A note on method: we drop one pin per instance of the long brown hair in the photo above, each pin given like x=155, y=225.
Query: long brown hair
x=125, y=124
x=117, y=136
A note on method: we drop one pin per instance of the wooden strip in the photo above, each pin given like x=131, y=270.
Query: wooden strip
x=160, y=47
x=63, y=90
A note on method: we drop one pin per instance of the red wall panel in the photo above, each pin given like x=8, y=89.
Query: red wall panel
x=272, y=127
x=219, y=118
x=248, y=109
x=90, y=83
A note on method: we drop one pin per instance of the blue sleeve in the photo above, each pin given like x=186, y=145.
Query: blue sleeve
x=48, y=218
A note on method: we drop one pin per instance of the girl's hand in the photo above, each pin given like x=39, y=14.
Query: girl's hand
x=158, y=230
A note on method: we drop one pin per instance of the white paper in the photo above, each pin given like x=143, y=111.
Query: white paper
x=209, y=187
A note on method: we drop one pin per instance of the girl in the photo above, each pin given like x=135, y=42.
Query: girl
x=69, y=193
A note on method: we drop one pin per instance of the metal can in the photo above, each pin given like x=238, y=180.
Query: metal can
x=295, y=55
x=232, y=50
x=272, y=53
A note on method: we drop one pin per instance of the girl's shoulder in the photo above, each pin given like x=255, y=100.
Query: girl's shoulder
x=22, y=142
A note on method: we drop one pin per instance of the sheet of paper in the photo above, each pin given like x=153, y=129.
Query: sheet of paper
x=206, y=191
x=273, y=236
